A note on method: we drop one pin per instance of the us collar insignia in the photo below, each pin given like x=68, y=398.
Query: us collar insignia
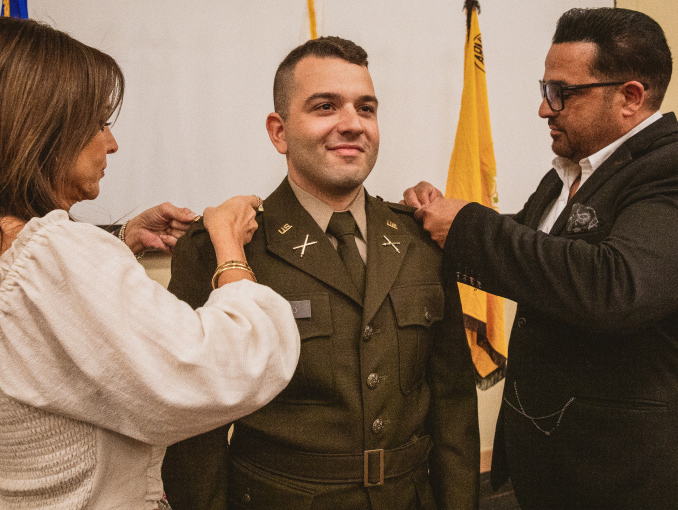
x=284, y=228
x=391, y=243
x=391, y=224
x=303, y=246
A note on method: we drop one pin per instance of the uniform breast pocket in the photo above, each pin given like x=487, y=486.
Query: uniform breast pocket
x=313, y=381
x=418, y=310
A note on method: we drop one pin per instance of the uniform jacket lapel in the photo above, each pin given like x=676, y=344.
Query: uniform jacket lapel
x=287, y=224
x=386, y=251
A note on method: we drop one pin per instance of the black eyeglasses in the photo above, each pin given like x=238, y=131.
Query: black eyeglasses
x=553, y=92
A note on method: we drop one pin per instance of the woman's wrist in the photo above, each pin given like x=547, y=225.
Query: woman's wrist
x=236, y=269
x=130, y=234
x=231, y=261
x=227, y=246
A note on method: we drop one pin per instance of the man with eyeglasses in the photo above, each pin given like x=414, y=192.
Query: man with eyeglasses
x=590, y=409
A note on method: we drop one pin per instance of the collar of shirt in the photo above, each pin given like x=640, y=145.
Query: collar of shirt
x=565, y=168
x=568, y=171
x=321, y=213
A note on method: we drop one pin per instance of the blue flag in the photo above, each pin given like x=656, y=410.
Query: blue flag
x=14, y=8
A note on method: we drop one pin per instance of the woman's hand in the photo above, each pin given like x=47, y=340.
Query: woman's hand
x=234, y=218
x=231, y=226
x=158, y=227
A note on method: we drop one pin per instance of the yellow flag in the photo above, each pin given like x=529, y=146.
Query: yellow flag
x=311, y=20
x=472, y=177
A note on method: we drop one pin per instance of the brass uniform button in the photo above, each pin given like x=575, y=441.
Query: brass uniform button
x=368, y=333
x=378, y=426
x=427, y=315
x=373, y=381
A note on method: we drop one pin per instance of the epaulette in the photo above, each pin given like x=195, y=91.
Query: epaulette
x=400, y=208
x=197, y=227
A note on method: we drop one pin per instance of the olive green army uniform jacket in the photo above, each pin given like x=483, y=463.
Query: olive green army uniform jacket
x=389, y=372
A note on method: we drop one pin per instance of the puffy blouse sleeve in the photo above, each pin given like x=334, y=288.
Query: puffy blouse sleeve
x=85, y=333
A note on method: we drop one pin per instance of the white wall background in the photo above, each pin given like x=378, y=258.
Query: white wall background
x=199, y=86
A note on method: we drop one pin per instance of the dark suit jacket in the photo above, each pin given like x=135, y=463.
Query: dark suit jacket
x=417, y=347
x=593, y=356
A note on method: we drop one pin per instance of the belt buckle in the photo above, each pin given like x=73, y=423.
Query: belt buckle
x=366, y=468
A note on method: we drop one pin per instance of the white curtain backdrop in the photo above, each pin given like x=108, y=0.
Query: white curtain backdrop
x=199, y=86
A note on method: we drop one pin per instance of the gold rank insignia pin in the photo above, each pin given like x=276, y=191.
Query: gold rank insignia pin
x=284, y=228
x=391, y=224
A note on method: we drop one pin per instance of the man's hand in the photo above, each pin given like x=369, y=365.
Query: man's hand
x=438, y=215
x=158, y=227
x=422, y=194
x=434, y=210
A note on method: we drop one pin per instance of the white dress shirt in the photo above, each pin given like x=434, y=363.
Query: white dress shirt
x=569, y=170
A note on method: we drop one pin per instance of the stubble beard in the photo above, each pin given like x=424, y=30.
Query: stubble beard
x=565, y=150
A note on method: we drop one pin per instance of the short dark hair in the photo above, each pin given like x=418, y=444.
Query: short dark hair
x=322, y=47
x=631, y=46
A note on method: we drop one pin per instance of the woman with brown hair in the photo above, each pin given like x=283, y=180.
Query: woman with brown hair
x=100, y=367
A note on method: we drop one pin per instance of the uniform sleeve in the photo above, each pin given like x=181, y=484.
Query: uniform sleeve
x=85, y=333
x=622, y=284
x=453, y=415
x=193, y=264
x=194, y=470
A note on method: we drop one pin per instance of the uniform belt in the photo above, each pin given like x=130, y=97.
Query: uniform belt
x=370, y=467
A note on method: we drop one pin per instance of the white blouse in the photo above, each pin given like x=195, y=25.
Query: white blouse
x=101, y=368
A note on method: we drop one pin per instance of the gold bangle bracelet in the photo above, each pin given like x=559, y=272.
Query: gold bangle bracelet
x=231, y=264
x=121, y=236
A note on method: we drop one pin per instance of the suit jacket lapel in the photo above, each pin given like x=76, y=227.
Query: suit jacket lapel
x=610, y=166
x=386, y=251
x=546, y=193
x=625, y=154
x=287, y=225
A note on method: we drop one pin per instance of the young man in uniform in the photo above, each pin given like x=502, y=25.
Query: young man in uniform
x=382, y=412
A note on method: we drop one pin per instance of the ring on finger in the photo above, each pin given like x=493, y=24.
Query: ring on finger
x=260, y=204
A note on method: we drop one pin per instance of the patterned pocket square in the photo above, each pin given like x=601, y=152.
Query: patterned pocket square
x=582, y=219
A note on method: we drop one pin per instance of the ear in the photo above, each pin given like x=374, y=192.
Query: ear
x=276, y=132
x=635, y=98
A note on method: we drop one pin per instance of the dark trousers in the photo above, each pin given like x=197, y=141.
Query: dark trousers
x=592, y=460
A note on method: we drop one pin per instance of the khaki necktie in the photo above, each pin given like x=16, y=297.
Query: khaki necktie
x=342, y=226
x=574, y=187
